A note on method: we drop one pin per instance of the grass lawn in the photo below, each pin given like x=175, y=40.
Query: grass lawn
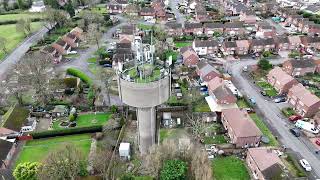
x=10, y=17
x=13, y=38
x=37, y=150
x=288, y=112
x=294, y=166
x=173, y=54
x=85, y=120
x=264, y=129
x=92, y=60
x=270, y=90
x=100, y=9
x=202, y=107
x=144, y=27
x=229, y=168
x=93, y=68
x=182, y=44
x=242, y=103
x=218, y=139
x=170, y=133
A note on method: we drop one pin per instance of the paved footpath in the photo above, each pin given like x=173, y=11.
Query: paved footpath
x=15, y=56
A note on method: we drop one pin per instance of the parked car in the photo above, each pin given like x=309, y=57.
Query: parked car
x=305, y=164
x=294, y=118
x=280, y=100
x=252, y=101
x=318, y=142
x=295, y=132
x=263, y=93
x=249, y=110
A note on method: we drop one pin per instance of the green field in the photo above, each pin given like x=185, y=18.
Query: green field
x=37, y=150
x=218, y=139
x=264, y=129
x=182, y=44
x=229, y=168
x=10, y=17
x=14, y=38
x=242, y=103
x=85, y=120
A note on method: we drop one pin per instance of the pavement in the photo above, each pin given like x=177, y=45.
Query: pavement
x=274, y=118
x=15, y=56
x=179, y=17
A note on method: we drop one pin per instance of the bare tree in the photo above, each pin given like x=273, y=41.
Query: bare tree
x=65, y=163
x=106, y=77
x=34, y=71
x=89, y=18
x=101, y=160
x=24, y=26
x=55, y=17
x=3, y=44
x=196, y=123
x=94, y=34
x=197, y=159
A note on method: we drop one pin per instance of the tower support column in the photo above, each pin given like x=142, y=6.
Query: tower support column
x=147, y=128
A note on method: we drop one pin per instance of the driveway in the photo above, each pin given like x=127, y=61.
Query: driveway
x=14, y=57
x=179, y=17
x=274, y=117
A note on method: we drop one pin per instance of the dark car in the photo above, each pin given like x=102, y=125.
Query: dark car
x=263, y=93
x=295, y=132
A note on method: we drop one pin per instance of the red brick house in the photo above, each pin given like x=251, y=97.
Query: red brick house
x=72, y=40
x=189, y=56
x=299, y=67
x=62, y=47
x=193, y=28
x=294, y=42
x=229, y=47
x=214, y=84
x=115, y=9
x=174, y=29
x=234, y=28
x=309, y=41
x=148, y=12
x=280, y=80
x=205, y=47
x=241, y=129
x=53, y=53
x=210, y=28
x=282, y=43
x=242, y=47
x=303, y=101
x=207, y=71
x=77, y=32
x=264, y=163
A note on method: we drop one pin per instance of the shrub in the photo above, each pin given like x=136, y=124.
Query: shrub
x=264, y=64
x=26, y=171
x=63, y=132
x=78, y=73
x=72, y=117
x=113, y=109
x=174, y=170
x=70, y=82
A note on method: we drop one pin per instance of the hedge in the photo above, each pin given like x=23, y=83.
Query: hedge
x=78, y=73
x=69, y=131
x=15, y=21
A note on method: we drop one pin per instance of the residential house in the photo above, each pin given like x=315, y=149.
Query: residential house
x=269, y=44
x=71, y=39
x=294, y=42
x=313, y=29
x=304, y=25
x=241, y=129
x=242, y=47
x=211, y=28
x=132, y=10
x=256, y=45
x=201, y=13
x=265, y=30
x=234, y=28
x=248, y=17
x=214, y=84
x=159, y=8
x=293, y=19
x=77, y=32
x=123, y=3
x=62, y=47
x=282, y=43
x=193, y=28
x=308, y=41
x=229, y=47
x=299, y=67
x=6, y=153
x=37, y=6
x=53, y=54
x=205, y=47
x=303, y=101
x=221, y=98
x=280, y=80
x=174, y=29
x=115, y=9
x=206, y=71
x=148, y=13
x=189, y=56
x=264, y=163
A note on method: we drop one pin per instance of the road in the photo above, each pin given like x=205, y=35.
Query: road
x=179, y=17
x=275, y=118
x=8, y=63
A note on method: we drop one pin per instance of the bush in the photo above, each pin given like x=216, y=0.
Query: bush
x=26, y=171
x=72, y=117
x=264, y=64
x=78, y=73
x=63, y=132
x=174, y=170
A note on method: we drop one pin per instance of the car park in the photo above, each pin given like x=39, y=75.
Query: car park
x=305, y=164
x=294, y=118
x=295, y=132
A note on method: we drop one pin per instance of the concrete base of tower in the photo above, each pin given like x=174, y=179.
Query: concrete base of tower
x=147, y=128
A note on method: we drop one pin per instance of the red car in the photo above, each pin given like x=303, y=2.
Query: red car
x=295, y=118
x=318, y=142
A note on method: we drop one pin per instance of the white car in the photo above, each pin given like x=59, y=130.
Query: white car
x=304, y=163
